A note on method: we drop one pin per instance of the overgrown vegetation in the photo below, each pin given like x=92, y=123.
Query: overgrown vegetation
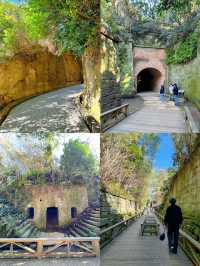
x=184, y=51
x=69, y=26
x=126, y=164
x=33, y=160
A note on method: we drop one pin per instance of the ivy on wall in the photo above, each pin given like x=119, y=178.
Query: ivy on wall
x=183, y=51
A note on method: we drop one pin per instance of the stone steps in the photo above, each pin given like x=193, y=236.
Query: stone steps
x=87, y=224
x=16, y=223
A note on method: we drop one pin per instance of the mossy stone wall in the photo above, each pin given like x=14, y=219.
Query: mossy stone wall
x=187, y=76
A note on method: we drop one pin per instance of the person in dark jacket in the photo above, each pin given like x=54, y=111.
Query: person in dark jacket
x=162, y=93
x=173, y=220
x=176, y=94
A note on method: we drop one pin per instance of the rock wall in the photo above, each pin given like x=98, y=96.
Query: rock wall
x=92, y=91
x=61, y=197
x=32, y=74
x=110, y=74
x=185, y=187
x=118, y=205
x=187, y=76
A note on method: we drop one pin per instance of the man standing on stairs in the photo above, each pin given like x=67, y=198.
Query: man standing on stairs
x=173, y=220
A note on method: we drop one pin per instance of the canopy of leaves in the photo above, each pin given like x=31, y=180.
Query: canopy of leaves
x=126, y=163
x=177, y=10
x=70, y=25
x=78, y=161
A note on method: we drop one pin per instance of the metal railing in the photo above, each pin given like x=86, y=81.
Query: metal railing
x=189, y=245
x=108, y=234
x=49, y=247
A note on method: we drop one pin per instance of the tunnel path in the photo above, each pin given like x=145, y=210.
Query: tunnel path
x=154, y=116
x=53, y=111
x=130, y=249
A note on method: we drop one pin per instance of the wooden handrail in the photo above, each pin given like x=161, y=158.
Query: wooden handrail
x=195, y=243
x=117, y=224
x=71, y=239
x=48, y=247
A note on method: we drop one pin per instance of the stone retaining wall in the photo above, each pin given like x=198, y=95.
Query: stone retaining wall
x=33, y=74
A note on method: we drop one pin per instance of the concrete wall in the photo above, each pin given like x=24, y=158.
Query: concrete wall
x=150, y=58
x=40, y=72
x=61, y=197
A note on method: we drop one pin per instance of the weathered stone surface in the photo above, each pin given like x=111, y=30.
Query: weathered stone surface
x=28, y=75
x=92, y=79
x=188, y=78
x=59, y=196
x=150, y=58
x=110, y=80
x=186, y=186
x=118, y=205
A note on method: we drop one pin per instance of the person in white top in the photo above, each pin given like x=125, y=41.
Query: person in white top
x=171, y=87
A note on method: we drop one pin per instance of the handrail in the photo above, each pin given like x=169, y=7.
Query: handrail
x=48, y=247
x=108, y=234
x=117, y=224
x=195, y=243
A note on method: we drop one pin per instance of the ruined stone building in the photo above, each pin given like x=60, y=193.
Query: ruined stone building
x=55, y=206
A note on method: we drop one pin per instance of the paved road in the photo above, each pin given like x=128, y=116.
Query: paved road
x=130, y=249
x=154, y=116
x=51, y=262
x=53, y=111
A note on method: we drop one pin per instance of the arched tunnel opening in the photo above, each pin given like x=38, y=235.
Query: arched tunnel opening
x=148, y=80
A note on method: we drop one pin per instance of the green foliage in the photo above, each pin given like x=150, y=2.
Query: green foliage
x=77, y=160
x=126, y=164
x=177, y=10
x=184, y=51
x=70, y=25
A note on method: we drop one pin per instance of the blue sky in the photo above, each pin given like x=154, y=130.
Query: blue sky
x=164, y=156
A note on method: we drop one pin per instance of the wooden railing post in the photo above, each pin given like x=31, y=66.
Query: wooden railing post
x=39, y=248
x=96, y=247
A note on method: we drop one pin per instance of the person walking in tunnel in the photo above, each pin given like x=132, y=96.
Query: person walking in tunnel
x=162, y=93
x=173, y=220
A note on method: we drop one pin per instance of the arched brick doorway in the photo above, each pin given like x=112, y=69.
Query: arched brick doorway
x=150, y=66
x=149, y=79
x=52, y=218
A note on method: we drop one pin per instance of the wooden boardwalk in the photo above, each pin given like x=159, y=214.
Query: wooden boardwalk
x=154, y=116
x=130, y=249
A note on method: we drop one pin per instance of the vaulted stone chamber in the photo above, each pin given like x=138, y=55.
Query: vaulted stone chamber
x=54, y=206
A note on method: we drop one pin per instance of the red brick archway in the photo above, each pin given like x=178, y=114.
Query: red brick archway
x=149, y=79
x=149, y=67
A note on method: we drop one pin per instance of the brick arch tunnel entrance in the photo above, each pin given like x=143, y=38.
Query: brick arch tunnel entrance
x=148, y=80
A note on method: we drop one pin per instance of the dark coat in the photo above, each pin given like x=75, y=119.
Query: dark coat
x=162, y=90
x=173, y=216
x=175, y=90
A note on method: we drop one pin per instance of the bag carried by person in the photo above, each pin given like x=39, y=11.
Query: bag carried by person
x=162, y=236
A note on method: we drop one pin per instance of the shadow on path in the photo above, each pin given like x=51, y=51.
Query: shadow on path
x=53, y=111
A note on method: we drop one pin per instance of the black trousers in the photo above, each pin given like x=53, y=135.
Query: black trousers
x=173, y=235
